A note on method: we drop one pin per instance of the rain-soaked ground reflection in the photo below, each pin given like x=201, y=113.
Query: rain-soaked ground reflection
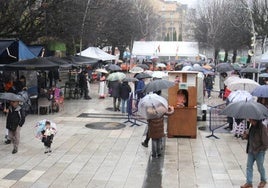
x=153, y=178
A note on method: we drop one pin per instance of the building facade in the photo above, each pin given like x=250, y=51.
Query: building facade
x=172, y=15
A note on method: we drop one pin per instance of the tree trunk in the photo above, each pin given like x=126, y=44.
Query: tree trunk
x=83, y=25
x=226, y=56
x=216, y=53
x=249, y=59
x=234, y=56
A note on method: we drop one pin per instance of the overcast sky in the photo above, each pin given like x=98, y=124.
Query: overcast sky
x=191, y=3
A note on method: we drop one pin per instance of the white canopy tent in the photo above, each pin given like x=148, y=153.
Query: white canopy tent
x=165, y=48
x=97, y=53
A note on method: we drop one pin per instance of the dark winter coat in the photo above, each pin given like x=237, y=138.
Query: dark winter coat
x=15, y=118
x=257, y=138
x=83, y=80
x=124, y=91
x=139, y=88
x=209, y=82
x=115, y=87
x=156, y=128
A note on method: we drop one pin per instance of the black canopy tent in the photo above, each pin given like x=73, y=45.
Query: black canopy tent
x=38, y=63
x=81, y=60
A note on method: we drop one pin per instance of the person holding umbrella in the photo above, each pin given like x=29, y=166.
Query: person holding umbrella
x=153, y=108
x=222, y=78
x=14, y=122
x=257, y=145
x=257, y=136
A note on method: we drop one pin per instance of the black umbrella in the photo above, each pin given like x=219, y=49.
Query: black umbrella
x=113, y=67
x=38, y=63
x=130, y=79
x=224, y=67
x=143, y=75
x=249, y=70
x=245, y=110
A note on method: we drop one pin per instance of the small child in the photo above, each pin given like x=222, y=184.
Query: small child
x=47, y=136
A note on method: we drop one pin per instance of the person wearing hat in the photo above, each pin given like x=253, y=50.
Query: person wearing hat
x=15, y=120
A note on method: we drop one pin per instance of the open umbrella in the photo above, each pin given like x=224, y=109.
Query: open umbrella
x=249, y=70
x=224, y=67
x=113, y=67
x=144, y=66
x=187, y=68
x=157, y=85
x=243, y=84
x=130, y=79
x=143, y=75
x=152, y=106
x=245, y=110
x=263, y=75
x=116, y=76
x=102, y=71
x=40, y=126
x=230, y=79
x=261, y=91
x=136, y=70
x=236, y=66
x=11, y=97
x=239, y=95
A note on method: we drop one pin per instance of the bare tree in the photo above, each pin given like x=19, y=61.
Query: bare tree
x=260, y=16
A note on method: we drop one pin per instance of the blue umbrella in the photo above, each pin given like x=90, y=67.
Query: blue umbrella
x=261, y=91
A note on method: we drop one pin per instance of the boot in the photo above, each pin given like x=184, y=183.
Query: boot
x=246, y=185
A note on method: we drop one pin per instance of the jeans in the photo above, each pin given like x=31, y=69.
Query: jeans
x=259, y=158
x=156, y=147
x=209, y=92
x=123, y=105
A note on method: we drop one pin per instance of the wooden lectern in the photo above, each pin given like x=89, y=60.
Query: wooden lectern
x=184, y=120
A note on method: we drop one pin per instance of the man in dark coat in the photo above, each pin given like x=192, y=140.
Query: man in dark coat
x=256, y=148
x=124, y=95
x=15, y=120
x=83, y=84
x=115, y=93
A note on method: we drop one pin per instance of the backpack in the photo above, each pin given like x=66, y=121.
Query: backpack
x=26, y=105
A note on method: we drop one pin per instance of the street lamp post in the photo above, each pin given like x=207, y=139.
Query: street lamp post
x=253, y=40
